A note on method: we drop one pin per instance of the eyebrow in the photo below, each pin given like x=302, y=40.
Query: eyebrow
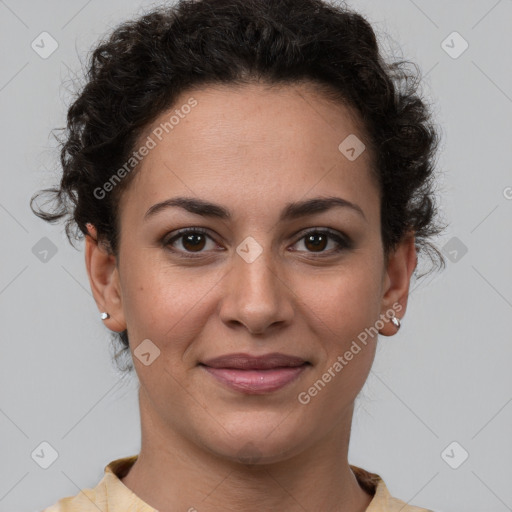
x=291, y=211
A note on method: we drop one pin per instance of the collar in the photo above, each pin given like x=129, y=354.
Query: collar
x=119, y=497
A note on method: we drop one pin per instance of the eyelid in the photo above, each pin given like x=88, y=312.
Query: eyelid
x=318, y=229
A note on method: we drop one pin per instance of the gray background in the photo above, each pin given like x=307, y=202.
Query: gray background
x=444, y=378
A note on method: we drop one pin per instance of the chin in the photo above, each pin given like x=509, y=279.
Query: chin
x=257, y=443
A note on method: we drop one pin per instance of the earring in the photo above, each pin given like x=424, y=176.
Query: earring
x=104, y=315
x=396, y=322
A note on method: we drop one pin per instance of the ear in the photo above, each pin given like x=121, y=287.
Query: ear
x=401, y=264
x=104, y=280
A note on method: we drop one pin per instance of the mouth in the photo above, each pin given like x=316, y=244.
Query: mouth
x=255, y=375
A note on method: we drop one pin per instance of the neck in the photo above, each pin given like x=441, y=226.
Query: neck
x=174, y=473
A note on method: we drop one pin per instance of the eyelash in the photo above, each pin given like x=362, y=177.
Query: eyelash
x=342, y=242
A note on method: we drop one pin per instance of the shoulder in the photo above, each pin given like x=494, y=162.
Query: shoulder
x=110, y=494
x=399, y=505
x=382, y=500
x=86, y=500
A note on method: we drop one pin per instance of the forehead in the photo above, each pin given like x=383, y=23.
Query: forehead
x=247, y=144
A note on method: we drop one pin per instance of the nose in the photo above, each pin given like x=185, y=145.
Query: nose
x=257, y=295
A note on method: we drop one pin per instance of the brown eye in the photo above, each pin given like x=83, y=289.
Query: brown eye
x=316, y=241
x=193, y=241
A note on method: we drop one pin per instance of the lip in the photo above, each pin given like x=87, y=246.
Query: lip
x=255, y=375
x=242, y=361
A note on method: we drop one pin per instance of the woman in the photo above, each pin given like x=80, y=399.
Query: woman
x=254, y=184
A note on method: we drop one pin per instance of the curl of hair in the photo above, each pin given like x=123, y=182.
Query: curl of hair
x=146, y=63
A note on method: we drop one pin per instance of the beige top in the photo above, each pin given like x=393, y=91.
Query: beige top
x=111, y=495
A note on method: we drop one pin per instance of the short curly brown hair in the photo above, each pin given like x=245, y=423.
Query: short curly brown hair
x=139, y=71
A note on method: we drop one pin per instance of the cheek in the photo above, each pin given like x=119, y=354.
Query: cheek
x=164, y=303
x=346, y=300
x=341, y=310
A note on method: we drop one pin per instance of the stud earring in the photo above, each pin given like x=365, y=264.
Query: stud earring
x=104, y=315
x=396, y=322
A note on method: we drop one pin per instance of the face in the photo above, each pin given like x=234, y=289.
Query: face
x=261, y=278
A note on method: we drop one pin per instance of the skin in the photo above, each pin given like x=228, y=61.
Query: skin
x=252, y=149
